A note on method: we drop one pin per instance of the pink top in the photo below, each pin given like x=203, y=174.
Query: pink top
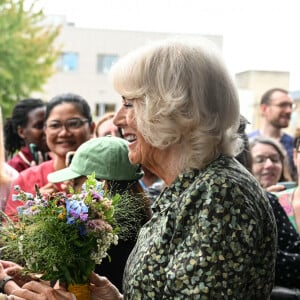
x=26, y=180
x=285, y=199
x=22, y=160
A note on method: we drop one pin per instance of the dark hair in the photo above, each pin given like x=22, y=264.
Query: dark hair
x=74, y=99
x=19, y=118
x=265, y=98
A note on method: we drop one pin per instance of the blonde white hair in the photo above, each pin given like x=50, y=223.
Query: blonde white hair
x=185, y=98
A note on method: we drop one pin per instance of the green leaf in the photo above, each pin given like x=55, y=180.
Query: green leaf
x=27, y=52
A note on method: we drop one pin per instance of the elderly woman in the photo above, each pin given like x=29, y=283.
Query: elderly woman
x=179, y=113
x=212, y=234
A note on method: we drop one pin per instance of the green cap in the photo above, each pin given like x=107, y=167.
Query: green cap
x=106, y=156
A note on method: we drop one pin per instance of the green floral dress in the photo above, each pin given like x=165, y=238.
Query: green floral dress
x=212, y=236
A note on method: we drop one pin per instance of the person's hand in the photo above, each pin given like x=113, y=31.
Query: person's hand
x=35, y=290
x=10, y=267
x=12, y=297
x=65, y=186
x=11, y=284
x=49, y=188
x=275, y=188
x=15, y=270
x=103, y=289
x=2, y=270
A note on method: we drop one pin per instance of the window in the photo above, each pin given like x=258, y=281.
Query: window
x=68, y=61
x=102, y=108
x=105, y=62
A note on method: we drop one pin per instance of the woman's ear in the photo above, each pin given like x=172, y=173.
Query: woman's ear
x=20, y=131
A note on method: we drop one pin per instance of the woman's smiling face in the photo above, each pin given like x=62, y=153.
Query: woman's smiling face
x=140, y=152
x=267, y=164
x=64, y=140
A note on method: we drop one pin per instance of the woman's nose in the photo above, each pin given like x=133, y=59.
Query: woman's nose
x=64, y=131
x=268, y=162
x=119, y=119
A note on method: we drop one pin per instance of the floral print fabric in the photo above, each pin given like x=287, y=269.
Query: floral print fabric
x=212, y=236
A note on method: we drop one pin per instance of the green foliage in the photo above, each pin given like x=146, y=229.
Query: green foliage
x=61, y=236
x=27, y=51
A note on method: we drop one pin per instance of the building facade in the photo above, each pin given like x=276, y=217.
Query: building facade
x=86, y=58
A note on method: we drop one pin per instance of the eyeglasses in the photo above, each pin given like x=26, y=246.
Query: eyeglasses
x=285, y=105
x=275, y=159
x=70, y=124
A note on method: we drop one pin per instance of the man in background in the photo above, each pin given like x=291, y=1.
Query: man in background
x=276, y=107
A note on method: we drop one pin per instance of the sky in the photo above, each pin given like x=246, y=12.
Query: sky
x=257, y=34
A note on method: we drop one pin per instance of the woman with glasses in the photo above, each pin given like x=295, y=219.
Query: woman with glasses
x=270, y=164
x=68, y=124
x=270, y=167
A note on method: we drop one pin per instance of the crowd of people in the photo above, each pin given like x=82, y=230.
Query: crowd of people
x=225, y=206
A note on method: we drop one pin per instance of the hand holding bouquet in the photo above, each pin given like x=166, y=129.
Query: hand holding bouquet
x=62, y=236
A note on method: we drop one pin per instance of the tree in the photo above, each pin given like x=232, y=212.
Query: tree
x=27, y=51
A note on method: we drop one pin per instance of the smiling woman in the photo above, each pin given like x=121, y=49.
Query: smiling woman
x=180, y=114
x=68, y=124
x=270, y=163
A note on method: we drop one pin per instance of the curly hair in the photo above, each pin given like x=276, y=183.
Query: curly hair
x=19, y=118
x=184, y=96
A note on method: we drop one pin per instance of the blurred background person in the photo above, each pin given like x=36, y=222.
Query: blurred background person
x=25, y=141
x=108, y=158
x=7, y=173
x=290, y=198
x=68, y=124
x=269, y=163
x=287, y=268
x=276, y=106
x=105, y=126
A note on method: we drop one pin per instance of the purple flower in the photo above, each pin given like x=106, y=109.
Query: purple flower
x=83, y=217
x=76, y=209
x=97, y=196
x=29, y=203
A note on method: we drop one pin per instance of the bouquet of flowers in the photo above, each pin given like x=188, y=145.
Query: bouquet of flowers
x=62, y=236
